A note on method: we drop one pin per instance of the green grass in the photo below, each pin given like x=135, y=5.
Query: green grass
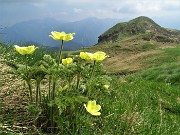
x=143, y=107
x=166, y=56
x=168, y=73
x=165, y=67
x=144, y=103
x=135, y=106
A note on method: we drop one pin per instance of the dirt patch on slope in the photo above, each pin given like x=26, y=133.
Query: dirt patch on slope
x=13, y=100
x=128, y=63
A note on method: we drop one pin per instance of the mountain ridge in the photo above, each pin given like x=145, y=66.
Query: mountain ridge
x=140, y=25
x=134, y=45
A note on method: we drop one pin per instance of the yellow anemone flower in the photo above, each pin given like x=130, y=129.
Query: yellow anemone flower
x=86, y=55
x=67, y=61
x=68, y=37
x=92, y=108
x=62, y=36
x=99, y=56
x=106, y=87
x=25, y=50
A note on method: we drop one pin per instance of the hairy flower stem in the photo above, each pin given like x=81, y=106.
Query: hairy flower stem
x=60, y=53
x=52, y=108
x=91, y=75
x=92, y=71
x=78, y=81
x=53, y=90
x=38, y=92
x=49, y=92
x=26, y=61
x=30, y=90
x=28, y=80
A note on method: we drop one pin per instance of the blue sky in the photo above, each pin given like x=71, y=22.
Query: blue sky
x=164, y=12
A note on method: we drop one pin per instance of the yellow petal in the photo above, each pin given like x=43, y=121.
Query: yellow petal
x=61, y=36
x=25, y=50
x=99, y=56
x=64, y=62
x=92, y=108
x=82, y=55
x=97, y=108
x=106, y=86
x=67, y=61
x=68, y=37
x=96, y=113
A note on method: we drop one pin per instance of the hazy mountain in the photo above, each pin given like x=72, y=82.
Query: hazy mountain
x=37, y=31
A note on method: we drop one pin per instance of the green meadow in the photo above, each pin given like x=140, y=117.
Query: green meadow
x=144, y=102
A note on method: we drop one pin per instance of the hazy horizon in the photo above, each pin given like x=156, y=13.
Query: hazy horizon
x=164, y=12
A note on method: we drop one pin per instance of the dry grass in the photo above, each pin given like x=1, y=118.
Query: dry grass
x=130, y=63
x=13, y=96
x=130, y=55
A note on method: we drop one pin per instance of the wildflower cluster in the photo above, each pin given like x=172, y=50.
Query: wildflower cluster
x=72, y=82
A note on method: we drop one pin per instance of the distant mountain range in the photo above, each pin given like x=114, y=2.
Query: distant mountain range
x=38, y=31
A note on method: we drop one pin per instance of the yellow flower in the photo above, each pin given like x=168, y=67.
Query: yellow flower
x=68, y=37
x=99, y=56
x=62, y=36
x=92, y=108
x=86, y=55
x=67, y=61
x=25, y=50
x=106, y=87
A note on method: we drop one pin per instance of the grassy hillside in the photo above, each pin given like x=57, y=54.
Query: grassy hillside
x=143, y=103
x=143, y=97
x=132, y=55
x=137, y=45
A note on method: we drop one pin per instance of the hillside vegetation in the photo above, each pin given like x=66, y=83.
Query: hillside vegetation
x=136, y=45
x=143, y=97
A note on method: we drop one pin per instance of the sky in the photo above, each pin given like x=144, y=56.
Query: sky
x=164, y=12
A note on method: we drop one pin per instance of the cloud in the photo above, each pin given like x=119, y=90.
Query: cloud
x=12, y=11
x=77, y=10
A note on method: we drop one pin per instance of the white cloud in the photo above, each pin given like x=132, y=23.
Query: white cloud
x=74, y=10
x=38, y=4
x=77, y=10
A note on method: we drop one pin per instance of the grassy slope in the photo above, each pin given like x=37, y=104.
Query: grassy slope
x=131, y=54
x=135, y=105
x=166, y=66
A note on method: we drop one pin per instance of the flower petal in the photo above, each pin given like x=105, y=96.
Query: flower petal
x=96, y=113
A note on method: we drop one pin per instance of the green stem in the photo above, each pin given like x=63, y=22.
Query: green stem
x=37, y=91
x=52, y=107
x=92, y=71
x=90, y=80
x=60, y=53
x=30, y=89
x=78, y=81
x=28, y=80
x=40, y=96
x=26, y=61
x=53, y=90
x=49, y=92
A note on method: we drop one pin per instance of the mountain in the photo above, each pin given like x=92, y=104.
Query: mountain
x=38, y=31
x=141, y=25
x=137, y=45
